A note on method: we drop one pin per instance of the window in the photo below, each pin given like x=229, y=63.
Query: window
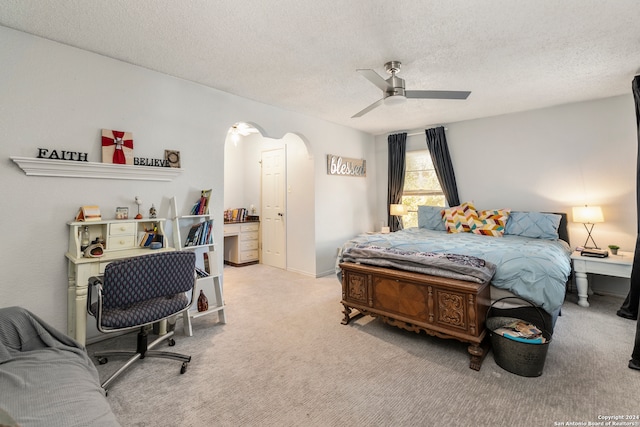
x=421, y=186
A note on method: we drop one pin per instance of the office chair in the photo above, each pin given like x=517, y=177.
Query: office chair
x=138, y=292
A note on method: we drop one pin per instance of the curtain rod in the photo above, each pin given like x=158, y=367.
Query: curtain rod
x=422, y=133
x=419, y=133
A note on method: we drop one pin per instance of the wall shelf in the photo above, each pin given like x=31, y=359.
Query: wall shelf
x=70, y=169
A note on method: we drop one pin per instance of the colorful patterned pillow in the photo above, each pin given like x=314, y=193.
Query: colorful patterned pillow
x=460, y=219
x=491, y=223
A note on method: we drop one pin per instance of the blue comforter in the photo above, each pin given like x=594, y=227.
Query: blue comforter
x=534, y=269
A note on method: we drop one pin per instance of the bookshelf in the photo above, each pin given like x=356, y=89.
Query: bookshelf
x=194, y=232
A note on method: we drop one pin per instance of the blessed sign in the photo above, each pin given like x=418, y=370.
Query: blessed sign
x=337, y=165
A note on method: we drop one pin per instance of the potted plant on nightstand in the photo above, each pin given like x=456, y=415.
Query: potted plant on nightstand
x=614, y=249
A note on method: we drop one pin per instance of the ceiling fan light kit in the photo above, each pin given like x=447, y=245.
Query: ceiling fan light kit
x=394, y=91
x=395, y=100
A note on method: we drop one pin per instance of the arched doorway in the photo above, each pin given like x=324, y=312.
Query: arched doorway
x=273, y=180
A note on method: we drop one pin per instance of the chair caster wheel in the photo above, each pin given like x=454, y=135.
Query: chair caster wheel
x=183, y=369
x=102, y=360
x=172, y=342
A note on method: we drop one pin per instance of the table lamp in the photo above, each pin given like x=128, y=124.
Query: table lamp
x=398, y=210
x=588, y=215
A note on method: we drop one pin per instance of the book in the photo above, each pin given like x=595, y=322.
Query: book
x=206, y=263
x=195, y=208
x=203, y=233
x=201, y=273
x=191, y=235
x=519, y=330
x=208, y=236
x=203, y=205
x=147, y=238
x=200, y=234
x=539, y=340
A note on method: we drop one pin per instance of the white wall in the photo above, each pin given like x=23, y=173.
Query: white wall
x=234, y=173
x=58, y=97
x=340, y=214
x=550, y=160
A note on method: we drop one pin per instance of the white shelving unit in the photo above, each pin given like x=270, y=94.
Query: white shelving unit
x=70, y=169
x=211, y=284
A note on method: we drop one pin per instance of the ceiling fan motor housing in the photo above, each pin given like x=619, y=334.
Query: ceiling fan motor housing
x=396, y=86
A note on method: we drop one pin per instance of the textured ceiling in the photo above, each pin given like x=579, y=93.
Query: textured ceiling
x=302, y=55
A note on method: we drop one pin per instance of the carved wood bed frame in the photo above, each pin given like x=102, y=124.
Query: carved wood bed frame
x=439, y=306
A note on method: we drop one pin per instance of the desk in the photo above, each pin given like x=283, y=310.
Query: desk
x=241, y=243
x=121, y=237
x=614, y=265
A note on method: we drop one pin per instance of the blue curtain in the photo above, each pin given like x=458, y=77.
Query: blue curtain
x=397, y=152
x=439, y=150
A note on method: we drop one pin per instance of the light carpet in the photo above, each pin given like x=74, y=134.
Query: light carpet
x=284, y=359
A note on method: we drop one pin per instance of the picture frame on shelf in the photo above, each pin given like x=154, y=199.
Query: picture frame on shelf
x=172, y=157
x=117, y=147
x=122, y=212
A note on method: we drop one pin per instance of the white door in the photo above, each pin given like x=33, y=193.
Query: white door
x=273, y=222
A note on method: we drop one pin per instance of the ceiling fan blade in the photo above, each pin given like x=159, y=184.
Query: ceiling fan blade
x=369, y=108
x=437, y=94
x=375, y=78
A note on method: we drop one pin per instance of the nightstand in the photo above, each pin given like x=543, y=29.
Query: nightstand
x=614, y=265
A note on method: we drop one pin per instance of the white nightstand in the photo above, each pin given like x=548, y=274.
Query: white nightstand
x=614, y=265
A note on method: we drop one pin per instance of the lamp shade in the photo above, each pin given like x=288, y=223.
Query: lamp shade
x=587, y=214
x=398, y=210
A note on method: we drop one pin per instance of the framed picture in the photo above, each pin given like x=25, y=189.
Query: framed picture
x=172, y=157
x=122, y=213
x=117, y=147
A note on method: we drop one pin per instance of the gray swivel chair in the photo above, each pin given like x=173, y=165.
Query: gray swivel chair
x=138, y=292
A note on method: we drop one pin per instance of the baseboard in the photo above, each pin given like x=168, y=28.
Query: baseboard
x=326, y=273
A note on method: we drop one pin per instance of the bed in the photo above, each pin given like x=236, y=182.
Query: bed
x=528, y=249
x=46, y=378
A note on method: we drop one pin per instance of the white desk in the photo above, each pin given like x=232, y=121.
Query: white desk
x=614, y=265
x=121, y=237
x=241, y=241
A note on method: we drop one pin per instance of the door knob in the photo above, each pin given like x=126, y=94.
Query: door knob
x=280, y=214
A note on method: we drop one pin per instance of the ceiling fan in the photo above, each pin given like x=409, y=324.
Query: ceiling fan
x=394, y=91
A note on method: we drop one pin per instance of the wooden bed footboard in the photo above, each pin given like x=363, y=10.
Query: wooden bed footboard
x=439, y=306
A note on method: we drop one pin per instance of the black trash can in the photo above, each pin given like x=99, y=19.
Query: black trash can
x=521, y=358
